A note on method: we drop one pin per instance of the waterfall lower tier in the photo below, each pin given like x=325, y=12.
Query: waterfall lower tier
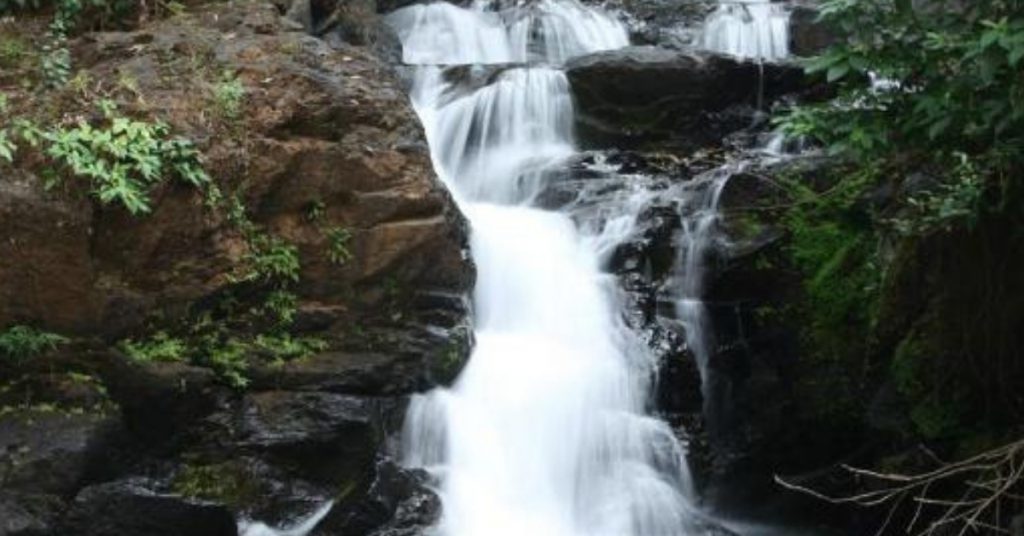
x=544, y=432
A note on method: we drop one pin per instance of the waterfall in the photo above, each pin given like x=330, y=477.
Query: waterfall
x=699, y=215
x=545, y=433
x=756, y=29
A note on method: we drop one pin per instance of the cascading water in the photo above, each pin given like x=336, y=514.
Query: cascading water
x=545, y=432
x=699, y=216
x=757, y=29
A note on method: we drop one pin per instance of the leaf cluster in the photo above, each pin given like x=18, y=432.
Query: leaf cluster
x=123, y=159
x=936, y=84
x=23, y=342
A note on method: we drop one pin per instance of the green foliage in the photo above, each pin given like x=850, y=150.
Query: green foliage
x=281, y=305
x=273, y=260
x=160, y=347
x=226, y=355
x=225, y=482
x=55, y=62
x=935, y=410
x=7, y=146
x=953, y=203
x=833, y=244
x=927, y=118
x=950, y=100
x=315, y=211
x=23, y=342
x=13, y=51
x=284, y=347
x=125, y=159
x=338, y=239
x=228, y=96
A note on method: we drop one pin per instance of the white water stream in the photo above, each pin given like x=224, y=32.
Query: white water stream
x=545, y=432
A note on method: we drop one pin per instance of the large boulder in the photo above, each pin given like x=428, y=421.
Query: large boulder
x=807, y=35
x=28, y=514
x=318, y=126
x=399, y=503
x=134, y=507
x=646, y=95
x=49, y=450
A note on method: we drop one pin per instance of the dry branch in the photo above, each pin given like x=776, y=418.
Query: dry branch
x=991, y=483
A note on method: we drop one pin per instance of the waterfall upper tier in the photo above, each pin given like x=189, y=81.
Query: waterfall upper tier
x=756, y=29
x=543, y=31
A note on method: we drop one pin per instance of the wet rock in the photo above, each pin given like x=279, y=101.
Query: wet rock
x=28, y=514
x=320, y=437
x=46, y=450
x=160, y=401
x=808, y=36
x=251, y=487
x=354, y=22
x=133, y=507
x=365, y=374
x=399, y=503
x=645, y=95
x=664, y=23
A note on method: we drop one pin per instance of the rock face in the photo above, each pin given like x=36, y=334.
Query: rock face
x=807, y=36
x=322, y=137
x=132, y=507
x=665, y=23
x=318, y=126
x=647, y=95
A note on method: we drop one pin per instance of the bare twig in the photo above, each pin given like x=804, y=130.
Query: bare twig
x=990, y=481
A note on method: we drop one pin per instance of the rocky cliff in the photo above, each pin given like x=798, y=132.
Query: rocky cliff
x=313, y=147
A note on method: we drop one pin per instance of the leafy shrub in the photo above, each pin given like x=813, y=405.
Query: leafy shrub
x=228, y=95
x=284, y=347
x=160, y=347
x=338, y=239
x=124, y=158
x=281, y=306
x=13, y=51
x=273, y=260
x=946, y=97
x=23, y=342
x=7, y=146
x=226, y=356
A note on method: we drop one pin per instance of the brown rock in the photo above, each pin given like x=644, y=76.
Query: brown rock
x=317, y=125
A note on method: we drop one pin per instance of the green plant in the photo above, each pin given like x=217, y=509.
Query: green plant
x=160, y=348
x=13, y=51
x=953, y=203
x=23, y=342
x=124, y=158
x=228, y=95
x=338, y=239
x=284, y=347
x=55, y=62
x=948, y=98
x=226, y=482
x=315, y=211
x=273, y=260
x=226, y=355
x=281, y=305
x=7, y=146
